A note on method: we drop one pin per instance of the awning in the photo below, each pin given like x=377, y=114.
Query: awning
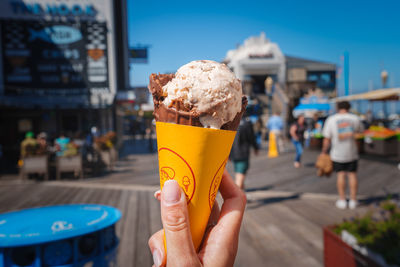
x=309, y=109
x=376, y=95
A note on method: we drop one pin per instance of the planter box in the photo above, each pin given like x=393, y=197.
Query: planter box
x=35, y=164
x=385, y=147
x=339, y=254
x=316, y=143
x=360, y=145
x=398, y=148
x=106, y=158
x=109, y=158
x=69, y=164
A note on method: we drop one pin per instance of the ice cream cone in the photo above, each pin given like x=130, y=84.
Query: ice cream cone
x=192, y=155
x=197, y=157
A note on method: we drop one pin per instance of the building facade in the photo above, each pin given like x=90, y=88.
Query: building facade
x=259, y=58
x=61, y=65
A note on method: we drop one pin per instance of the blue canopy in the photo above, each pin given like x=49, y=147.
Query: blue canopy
x=308, y=108
x=314, y=106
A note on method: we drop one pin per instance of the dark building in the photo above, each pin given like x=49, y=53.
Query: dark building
x=61, y=65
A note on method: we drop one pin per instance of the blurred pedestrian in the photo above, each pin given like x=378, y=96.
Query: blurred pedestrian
x=313, y=128
x=297, y=134
x=240, y=152
x=61, y=144
x=79, y=140
x=42, y=143
x=258, y=127
x=29, y=145
x=339, y=132
x=275, y=125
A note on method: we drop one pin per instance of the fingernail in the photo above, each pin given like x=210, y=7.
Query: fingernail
x=172, y=192
x=157, y=257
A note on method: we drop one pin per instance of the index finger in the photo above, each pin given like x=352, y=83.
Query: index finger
x=222, y=242
x=230, y=191
x=234, y=204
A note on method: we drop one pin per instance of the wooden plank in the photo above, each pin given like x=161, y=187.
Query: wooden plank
x=143, y=256
x=316, y=215
x=96, y=197
x=78, y=195
x=278, y=246
x=154, y=214
x=24, y=201
x=104, y=196
x=127, y=246
x=302, y=232
x=86, y=195
x=113, y=198
x=63, y=196
x=250, y=252
x=8, y=196
x=122, y=204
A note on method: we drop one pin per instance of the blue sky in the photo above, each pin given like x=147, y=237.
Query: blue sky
x=182, y=31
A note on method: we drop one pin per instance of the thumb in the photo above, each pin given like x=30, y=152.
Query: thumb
x=175, y=219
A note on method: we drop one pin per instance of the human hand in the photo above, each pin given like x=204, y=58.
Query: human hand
x=220, y=241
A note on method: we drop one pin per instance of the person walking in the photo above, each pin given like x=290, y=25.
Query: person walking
x=240, y=152
x=275, y=125
x=339, y=134
x=297, y=134
x=258, y=128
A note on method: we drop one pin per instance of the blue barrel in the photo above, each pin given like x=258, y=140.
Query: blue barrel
x=67, y=235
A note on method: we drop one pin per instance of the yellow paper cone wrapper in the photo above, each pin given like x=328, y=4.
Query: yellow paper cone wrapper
x=195, y=157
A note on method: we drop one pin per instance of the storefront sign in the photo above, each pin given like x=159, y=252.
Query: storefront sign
x=268, y=55
x=24, y=125
x=138, y=55
x=52, y=9
x=68, y=58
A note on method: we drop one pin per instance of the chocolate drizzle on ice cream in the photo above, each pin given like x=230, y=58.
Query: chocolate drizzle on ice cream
x=202, y=93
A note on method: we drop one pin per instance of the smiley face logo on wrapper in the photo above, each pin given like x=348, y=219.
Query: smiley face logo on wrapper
x=178, y=170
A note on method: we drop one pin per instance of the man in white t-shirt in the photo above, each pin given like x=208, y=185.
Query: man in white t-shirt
x=339, y=134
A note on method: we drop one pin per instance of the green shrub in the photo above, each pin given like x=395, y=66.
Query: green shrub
x=378, y=230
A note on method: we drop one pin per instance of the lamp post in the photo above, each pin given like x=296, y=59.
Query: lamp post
x=384, y=78
x=268, y=88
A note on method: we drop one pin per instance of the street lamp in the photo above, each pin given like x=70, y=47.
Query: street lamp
x=384, y=78
x=268, y=88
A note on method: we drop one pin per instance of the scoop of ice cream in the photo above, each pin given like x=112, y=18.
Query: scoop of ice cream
x=207, y=88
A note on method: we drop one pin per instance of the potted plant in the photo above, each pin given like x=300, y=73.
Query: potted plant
x=370, y=240
x=105, y=145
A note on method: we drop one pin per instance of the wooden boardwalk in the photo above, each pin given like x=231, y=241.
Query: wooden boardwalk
x=283, y=221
